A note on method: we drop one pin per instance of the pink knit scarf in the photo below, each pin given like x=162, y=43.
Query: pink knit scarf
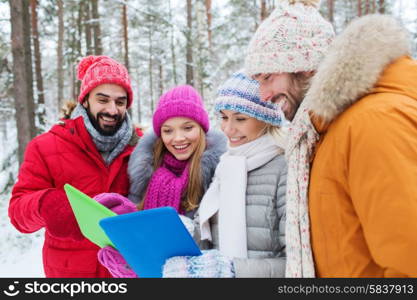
x=167, y=184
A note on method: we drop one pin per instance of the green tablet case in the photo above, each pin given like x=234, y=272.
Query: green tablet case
x=88, y=213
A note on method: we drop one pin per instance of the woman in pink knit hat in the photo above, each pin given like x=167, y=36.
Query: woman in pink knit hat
x=172, y=165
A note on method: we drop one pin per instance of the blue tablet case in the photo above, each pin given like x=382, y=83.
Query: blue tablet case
x=147, y=238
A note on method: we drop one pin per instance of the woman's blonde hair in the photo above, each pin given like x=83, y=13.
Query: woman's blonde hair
x=194, y=191
x=278, y=133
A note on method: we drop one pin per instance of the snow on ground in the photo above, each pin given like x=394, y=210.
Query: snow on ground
x=20, y=254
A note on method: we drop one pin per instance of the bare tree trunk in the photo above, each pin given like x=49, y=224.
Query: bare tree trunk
x=202, y=51
x=359, y=8
x=173, y=56
x=161, y=78
x=373, y=6
x=351, y=6
x=125, y=35
x=209, y=17
x=330, y=7
x=126, y=40
x=263, y=10
x=22, y=74
x=74, y=47
x=189, y=71
x=139, y=102
x=87, y=27
x=255, y=16
x=76, y=82
x=381, y=6
x=367, y=7
x=80, y=18
x=98, y=47
x=270, y=5
x=150, y=65
x=74, y=87
x=60, y=54
x=38, y=62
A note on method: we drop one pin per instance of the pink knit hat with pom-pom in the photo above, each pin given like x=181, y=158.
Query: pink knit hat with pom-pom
x=96, y=70
x=180, y=101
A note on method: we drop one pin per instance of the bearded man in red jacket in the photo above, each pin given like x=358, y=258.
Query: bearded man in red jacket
x=90, y=151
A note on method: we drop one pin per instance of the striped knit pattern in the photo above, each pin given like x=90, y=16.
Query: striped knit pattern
x=241, y=94
x=211, y=264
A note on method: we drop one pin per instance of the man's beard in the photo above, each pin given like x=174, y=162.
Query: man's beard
x=107, y=130
x=293, y=101
x=294, y=96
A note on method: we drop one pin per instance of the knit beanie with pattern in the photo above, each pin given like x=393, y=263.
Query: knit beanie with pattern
x=180, y=101
x=294, y=38
x=241, y=94
x=96, y=70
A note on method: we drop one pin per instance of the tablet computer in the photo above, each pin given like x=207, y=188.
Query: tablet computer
x=147, y=238
x=88, y=213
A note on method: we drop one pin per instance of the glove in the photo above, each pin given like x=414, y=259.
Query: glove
x=56, y=211
x=188, y=223
x=115, y=263
x=211, y=264
x=116, y=202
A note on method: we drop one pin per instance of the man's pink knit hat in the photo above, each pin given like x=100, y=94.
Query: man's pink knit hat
x=180, y=101
x=96, y=70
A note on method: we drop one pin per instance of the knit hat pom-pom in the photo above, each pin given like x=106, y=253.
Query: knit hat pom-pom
x=314, y=3
x=85, y=63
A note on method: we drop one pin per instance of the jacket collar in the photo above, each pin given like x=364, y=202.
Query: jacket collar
x=74, y=131
x=354, y=64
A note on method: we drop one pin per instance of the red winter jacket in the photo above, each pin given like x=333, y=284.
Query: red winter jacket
x=65, y=154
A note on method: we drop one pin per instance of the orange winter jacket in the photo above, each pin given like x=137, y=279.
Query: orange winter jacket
x=363, y=182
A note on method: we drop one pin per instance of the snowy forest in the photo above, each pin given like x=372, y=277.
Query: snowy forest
x=162, y=43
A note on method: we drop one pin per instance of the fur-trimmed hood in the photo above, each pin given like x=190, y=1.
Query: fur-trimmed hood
x=140, y=167
x=354, y=64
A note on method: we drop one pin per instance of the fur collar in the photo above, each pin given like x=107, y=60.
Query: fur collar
x=140, y=167
x=354, y=63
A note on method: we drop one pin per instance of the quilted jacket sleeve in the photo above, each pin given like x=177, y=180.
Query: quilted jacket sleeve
x=33, y=182
x=269, y=267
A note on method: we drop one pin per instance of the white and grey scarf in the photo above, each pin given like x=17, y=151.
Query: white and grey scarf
x=112, y=145
x=227, y=193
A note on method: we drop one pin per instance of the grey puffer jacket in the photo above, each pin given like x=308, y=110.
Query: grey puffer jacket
x=265, y=221
x=140, y=167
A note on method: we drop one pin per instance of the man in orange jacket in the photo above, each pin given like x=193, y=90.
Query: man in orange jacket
x=89, y=151
x=352, y=147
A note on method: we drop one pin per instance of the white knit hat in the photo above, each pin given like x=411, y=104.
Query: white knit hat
x=294, y=38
